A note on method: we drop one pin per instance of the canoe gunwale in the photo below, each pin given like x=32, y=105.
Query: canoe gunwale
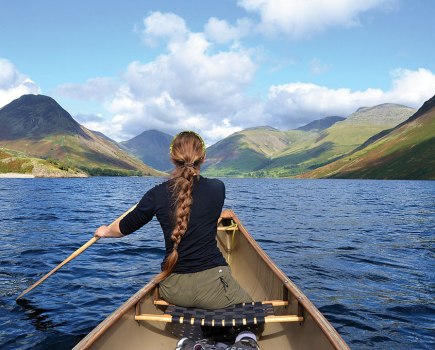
x=329, y=331
x=98, y=331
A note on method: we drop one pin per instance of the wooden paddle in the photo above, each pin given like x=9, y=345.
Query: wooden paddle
x=72, y=256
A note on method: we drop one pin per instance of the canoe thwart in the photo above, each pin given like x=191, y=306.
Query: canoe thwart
x=162, y=302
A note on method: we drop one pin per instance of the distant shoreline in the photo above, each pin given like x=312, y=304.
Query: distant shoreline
x=16, y=176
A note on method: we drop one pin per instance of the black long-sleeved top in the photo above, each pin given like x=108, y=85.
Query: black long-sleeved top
x=198, y=249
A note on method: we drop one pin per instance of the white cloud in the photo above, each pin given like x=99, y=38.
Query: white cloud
x=95, y=122
x=297, y=18
x=14, y=84
x=220, y=31
x=167, y=26
x=187, y=87
x=217, y=132
x=108, y=129
x=89, y=118
x=290, y=105
x=99, y=89
x=412, y=87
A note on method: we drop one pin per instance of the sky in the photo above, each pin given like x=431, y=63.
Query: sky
x=217, y=67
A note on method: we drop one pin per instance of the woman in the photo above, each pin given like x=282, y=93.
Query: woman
x=194, y=272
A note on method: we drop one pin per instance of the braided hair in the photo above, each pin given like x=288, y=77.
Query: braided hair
x=187, y=153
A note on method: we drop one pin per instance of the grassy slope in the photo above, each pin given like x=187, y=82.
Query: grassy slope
x=18, y=162
x=247, y=151
x=405, y=153
x=336, y=141
x=232, y=157
x=11, y=162
x=94, y=154
x=267, y=152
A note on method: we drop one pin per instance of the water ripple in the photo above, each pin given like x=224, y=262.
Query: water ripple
x=362, y=251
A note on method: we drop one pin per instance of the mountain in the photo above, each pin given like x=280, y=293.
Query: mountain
x=40, y=128
x=268, y=152
x=337, y=140
x=152, y=147
x=34, y=117
x=404, y=152
x=247, y=151
x=321, y=124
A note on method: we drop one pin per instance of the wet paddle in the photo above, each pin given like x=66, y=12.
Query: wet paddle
x=72, y=256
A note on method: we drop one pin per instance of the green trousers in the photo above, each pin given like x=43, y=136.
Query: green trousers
x=214, y=288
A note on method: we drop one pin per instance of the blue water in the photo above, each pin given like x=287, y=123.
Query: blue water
x=362, y=251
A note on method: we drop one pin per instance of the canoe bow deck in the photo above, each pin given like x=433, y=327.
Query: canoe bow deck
x=141, y=322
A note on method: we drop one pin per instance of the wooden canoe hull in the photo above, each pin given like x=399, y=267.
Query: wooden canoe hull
x=256, y=273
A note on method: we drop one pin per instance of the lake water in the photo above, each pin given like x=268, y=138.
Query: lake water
x=362, y=251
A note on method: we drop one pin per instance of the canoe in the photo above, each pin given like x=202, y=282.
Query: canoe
x=141, y=322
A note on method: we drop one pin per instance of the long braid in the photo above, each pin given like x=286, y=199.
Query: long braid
x=187, y=152
x=183, y=198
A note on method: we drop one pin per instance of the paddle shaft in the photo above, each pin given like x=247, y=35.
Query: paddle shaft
x=72, y=256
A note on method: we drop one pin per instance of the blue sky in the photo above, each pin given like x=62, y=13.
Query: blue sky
x=122, y=67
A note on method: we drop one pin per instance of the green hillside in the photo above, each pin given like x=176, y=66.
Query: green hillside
x=37, y=126
x=18, y=163
x=247, y=151
x=268, y=152
x=406, y=152
x=337, y=140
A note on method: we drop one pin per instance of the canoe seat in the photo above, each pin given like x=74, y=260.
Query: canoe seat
x=220, y=324
x=238, y=315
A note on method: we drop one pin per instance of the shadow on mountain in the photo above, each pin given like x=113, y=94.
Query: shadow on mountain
x=401, y=165
x=303, y=156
